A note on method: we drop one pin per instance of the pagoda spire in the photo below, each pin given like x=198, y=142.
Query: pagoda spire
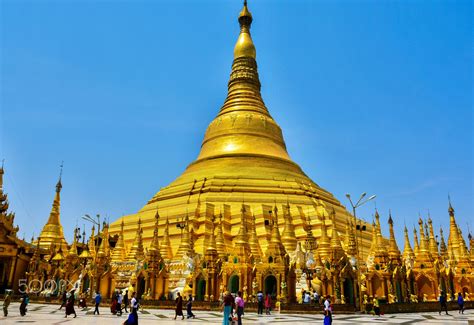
x=253, y=241
x=3, y=196
x=393, y=251
x=242, y=246
x=119, y=253
x=288, y=236
x=350, y=242
x=53, y=230
x=211, y=249
x=153, y=256
x=220, y=242
x=423, y=257
x=443, y=249
x=310, y=242
x=92, y=247
x=155, y=244
x=336, y=247
x=433, y=246
x=243, y=117
x=275, y=247
x=453, y=238
x=104, y=249
x=165, y=248
x=373, y=244
x=408, y=251
x=324, y=243
x=73, y=250
x=415, y=243
x=185, y=245
x=381, y=248
x=136, y=252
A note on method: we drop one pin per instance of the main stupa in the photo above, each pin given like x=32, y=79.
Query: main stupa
x=243, y=167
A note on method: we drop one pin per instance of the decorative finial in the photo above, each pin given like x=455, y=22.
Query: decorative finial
x=390, y=220
x=59, y=185
x=61, y=170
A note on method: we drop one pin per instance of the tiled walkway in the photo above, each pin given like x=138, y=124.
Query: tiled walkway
x=49, y=314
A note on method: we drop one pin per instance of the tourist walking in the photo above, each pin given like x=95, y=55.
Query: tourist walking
x=443, y=303
x=460, y=303
x=113, y=303
x=227, y=305
x=260, y=302
x=189, y=308
x=179, y=307
x=133, y=316
x=268, y=304
x=119, y=304
x=328, y=310
x=6, y=303
x=25, y=299
x=63, y=300
x=98, y=299
x=239, y=304
x=125, y=301
x=70, y=305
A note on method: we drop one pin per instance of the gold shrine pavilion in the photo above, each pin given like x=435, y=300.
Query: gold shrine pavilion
x=244, y=216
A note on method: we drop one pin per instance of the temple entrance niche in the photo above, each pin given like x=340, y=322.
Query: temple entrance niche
x=348, y=286
x=398, y=289
x=85, y=283
x=200, y=289
x=233, y=285
x=270, y=286
x=377, y=286
x=141, y=286
x=424, y=286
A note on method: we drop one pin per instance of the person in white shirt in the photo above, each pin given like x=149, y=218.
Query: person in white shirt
x=316, y=297
x=306, y=298
x=327, y=308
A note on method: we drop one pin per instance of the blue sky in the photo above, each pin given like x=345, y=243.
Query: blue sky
x=372, y=96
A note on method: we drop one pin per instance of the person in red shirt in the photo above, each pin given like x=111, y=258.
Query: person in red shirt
x=268, y=304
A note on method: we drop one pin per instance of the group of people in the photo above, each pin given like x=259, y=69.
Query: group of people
x=119, y=302
x=264, y=302
x=24, y=301
x=231, y=306
x=443, y=303
x=179, y=307
x=307, y=297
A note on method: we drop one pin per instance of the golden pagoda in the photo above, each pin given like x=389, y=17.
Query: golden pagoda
x=52, y=233
x=243, y=158
x=235, y=239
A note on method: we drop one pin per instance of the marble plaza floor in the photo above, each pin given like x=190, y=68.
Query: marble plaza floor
x=49, y=314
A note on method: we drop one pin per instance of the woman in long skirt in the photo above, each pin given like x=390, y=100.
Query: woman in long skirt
x=227, y=306
x=179, y=307
x=189, y=308
x=70, y=305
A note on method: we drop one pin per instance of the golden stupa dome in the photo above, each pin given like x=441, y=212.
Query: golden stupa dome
x=243, y=160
